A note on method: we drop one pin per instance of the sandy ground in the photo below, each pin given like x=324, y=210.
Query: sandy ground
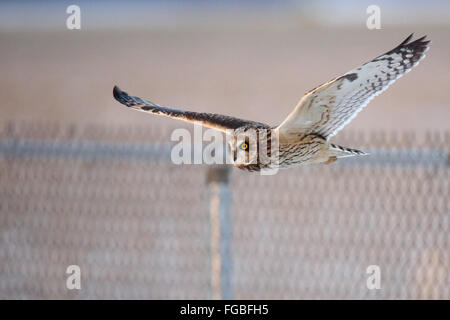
x=68, y=76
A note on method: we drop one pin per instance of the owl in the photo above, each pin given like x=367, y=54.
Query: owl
x=303, y=137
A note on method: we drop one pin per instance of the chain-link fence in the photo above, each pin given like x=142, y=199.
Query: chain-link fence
x=110, y=201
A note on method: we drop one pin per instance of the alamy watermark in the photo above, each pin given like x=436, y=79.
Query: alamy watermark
x=241, y=147
x=374, y=280
x=374, y=19
x=73, y=21
x=74, y=279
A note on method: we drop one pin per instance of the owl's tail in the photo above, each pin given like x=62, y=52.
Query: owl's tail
x=334, y=152
x=340, y=152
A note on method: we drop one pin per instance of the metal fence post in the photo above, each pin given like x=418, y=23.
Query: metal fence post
x=220, y=226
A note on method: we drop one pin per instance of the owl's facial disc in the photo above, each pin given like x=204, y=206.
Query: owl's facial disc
x=245, y=150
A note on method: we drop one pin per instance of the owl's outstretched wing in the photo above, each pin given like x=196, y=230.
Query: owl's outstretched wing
x=328, y=108
x=211, y=120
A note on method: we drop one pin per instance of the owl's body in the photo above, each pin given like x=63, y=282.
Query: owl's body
x=308, y=148
x=303, y=137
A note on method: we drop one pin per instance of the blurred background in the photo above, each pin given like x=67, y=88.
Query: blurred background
x=85, y=181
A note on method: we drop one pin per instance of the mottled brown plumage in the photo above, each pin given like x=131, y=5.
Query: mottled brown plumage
x=303, y=136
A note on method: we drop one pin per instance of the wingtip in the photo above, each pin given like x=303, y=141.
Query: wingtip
x=119, y=95
x=422, y=39
x=117, y=92
x=409, y=37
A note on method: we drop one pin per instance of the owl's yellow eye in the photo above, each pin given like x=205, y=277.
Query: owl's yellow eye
x=244, y=146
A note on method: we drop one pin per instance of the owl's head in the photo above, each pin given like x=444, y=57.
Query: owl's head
x=250, y=148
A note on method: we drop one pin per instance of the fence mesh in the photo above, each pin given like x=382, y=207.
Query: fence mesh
x=109, y=200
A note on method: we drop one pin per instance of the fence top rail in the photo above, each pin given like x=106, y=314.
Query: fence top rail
x=161, y=153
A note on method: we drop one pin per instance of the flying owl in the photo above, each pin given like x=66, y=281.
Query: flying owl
x=303, y=137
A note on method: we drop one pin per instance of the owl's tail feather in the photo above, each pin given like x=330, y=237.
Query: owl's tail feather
x=341, y=152
x=334, y=152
